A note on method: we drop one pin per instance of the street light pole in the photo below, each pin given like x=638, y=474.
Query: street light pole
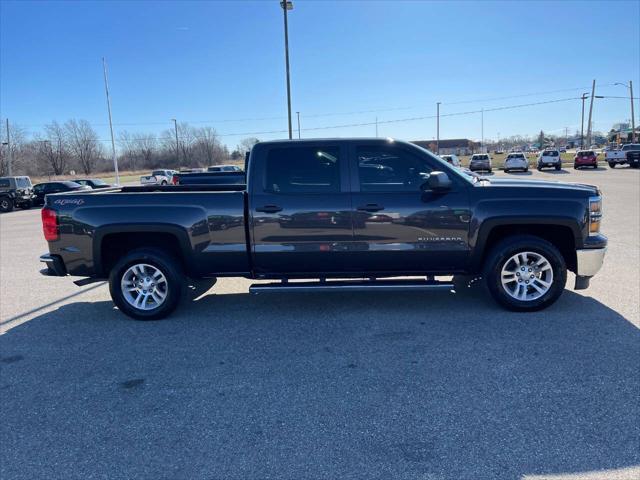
x=175, y=129
x=9, y=153
x=298, y=114
x=113, y=143
x=438, y=128
x=287, y=5
x=633, y=121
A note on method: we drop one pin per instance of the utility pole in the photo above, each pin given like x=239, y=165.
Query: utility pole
x=593, y=92
x=175, y=129
x=482, y=130
x=287, y=5
x=113, y=143
x=9, y=152
x=583, y=97
x=298, y=114
x=566, y=136
x=438, y=128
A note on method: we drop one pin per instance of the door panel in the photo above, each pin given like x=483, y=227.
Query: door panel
x=397, y=226
x=301, y=214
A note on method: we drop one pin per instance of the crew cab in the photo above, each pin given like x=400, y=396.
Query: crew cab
x=353, y=214
x=15, y=192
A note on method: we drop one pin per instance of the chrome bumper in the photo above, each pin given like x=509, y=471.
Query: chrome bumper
x=589, y=261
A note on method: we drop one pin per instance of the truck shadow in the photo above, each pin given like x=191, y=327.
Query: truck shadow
x=387, y=386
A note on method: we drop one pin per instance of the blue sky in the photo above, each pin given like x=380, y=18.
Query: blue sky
x=222, y=63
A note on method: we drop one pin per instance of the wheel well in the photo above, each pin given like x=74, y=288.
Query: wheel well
x=560, y=236
x=115, y=245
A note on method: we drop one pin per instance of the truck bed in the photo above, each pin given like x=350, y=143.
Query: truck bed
x=205, y=223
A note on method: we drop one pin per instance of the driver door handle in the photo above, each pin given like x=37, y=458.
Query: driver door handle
x=269, y=209
x=370, y=207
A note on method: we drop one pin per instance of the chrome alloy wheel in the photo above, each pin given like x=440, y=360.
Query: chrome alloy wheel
x=144, y=286
x=526, y=276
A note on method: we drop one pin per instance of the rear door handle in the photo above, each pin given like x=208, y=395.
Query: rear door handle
x=269, y=209
x=370, y=207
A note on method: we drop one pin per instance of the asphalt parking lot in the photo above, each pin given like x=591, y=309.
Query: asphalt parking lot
x=408, y=386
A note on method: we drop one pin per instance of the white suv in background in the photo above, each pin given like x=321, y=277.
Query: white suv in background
x=516, y=161
x=549, y=158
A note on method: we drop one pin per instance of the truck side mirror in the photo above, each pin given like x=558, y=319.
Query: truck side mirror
x=437, y=182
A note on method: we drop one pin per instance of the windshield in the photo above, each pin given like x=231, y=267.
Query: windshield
x=550, y=153
x=631, y=146
x=158, y=172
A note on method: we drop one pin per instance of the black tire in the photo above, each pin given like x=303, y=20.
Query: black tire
x=162, y=261
x=164, y=182
x=612, y=165
x=510, y=246
x=526, y=170
x=558, y=167
x=6, y=204
x=506, y=170
x=575, y=167
x=634, y=165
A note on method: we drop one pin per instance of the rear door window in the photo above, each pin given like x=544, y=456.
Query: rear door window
x=313, y=169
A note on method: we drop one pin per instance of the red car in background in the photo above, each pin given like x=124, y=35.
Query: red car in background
x=585, y=158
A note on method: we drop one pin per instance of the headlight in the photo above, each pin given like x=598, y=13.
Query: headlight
x=595, y=215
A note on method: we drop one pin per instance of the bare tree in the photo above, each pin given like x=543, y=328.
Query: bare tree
x=83, y=144
x=208, y=147
x=145, y=146
x=18, y=142
x=54, y=148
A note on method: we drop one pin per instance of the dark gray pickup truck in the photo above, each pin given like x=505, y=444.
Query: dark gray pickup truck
x=353, y=214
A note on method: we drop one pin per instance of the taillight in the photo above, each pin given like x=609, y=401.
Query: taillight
x=174, y=179
x=49, y=224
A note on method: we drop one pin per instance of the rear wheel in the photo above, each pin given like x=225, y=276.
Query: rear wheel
x=6, y=204
x=146, y=284
x=557, y=167
x=525, y=273
x=164, y=182
x=612, y=165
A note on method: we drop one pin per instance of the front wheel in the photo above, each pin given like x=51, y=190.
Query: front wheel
x=146, y=284
x=557, y=167
x=525, y=273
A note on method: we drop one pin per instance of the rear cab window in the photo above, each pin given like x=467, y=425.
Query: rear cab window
x=309, y=169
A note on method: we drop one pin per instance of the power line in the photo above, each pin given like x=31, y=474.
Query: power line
x=397, y=120
x=330, y=114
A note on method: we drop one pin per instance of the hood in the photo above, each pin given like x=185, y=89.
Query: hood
x=508, y=182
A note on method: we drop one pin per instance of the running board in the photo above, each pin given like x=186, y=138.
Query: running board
x=349, y=285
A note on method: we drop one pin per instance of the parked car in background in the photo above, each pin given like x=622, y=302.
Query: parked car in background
x=15, y=192
x=158, y=177
x=40, y=190
x=224, y=168
x=92, y=182
x=516, y=161
x=549, y=159
x=585, y=158
x=629, y=154
x=451, y=159
x=563, y=149
x=615, y=156
x=480, y=162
